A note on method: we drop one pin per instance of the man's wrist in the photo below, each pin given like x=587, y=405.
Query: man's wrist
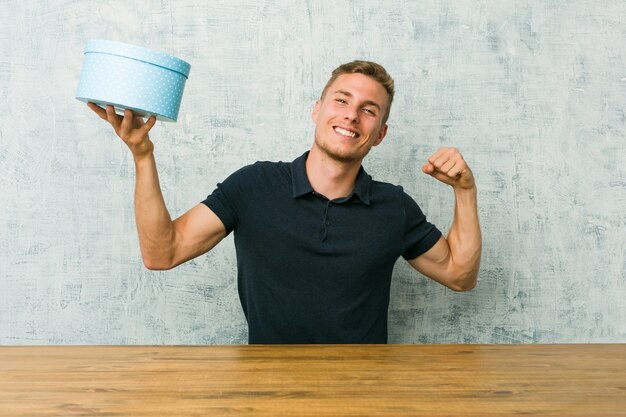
x=143, y=151
x=466, y=191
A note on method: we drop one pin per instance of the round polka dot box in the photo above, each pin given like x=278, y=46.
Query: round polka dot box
x=131, y=77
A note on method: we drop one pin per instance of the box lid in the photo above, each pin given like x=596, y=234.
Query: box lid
x=139, y=53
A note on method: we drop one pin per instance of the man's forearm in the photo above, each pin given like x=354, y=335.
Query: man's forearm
x=464, y=238
x=154, y=224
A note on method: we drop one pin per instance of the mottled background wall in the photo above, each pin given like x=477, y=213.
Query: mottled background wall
x=532, y=92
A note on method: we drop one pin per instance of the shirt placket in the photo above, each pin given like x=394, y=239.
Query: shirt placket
x=326, y=219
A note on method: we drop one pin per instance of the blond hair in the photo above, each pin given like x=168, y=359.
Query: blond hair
x=372, y=70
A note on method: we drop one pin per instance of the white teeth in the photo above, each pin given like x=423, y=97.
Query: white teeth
x=345, y=132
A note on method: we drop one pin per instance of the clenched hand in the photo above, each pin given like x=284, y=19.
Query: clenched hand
x=448, y=166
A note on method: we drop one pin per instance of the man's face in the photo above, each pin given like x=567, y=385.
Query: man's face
x=349, y=119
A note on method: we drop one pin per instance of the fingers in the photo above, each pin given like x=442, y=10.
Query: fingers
x=148, y=125
x=448, y=166
x=105, y=114
x=127, y=124
x=98, y=110
x=129, y=128
x=440, y=176
x=448, y=161
x=113, y=118
x=456, y=170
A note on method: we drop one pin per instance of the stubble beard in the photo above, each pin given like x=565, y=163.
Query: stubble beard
x=351, y=158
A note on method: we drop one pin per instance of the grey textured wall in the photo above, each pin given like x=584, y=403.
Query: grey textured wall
x=532, y=92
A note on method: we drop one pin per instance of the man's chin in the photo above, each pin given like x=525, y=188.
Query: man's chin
x=342, y=157
x=345, y=156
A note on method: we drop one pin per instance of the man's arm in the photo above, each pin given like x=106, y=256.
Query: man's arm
x=164, y=243
x=454, y=262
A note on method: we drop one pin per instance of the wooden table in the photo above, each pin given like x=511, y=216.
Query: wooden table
x=314, y=380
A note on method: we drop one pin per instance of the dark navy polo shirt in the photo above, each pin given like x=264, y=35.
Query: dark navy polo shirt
x=313, y=270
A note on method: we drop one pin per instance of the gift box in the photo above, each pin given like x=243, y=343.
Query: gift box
x=131, y=77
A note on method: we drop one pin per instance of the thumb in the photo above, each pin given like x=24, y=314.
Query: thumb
x=430, y=169
x=440, y=176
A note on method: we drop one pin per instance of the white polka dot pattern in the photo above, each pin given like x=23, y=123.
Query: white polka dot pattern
x=131, y=77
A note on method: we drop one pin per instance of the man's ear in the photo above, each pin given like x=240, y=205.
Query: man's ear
x=316, y=110
x=381, y=134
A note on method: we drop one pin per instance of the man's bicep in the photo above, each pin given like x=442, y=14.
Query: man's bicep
x=197, y=232
x=435, y=263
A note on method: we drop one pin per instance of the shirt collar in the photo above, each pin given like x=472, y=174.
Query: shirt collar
x=301, y=184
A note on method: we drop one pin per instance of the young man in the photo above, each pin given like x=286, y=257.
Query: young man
x=316, y=238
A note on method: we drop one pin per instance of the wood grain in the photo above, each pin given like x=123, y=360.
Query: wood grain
x=306, y=380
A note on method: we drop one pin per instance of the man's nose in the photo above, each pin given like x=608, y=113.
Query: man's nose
x=352, y=114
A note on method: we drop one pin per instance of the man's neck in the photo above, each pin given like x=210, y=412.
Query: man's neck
x=333, y=179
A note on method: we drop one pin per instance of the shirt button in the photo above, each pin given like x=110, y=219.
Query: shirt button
x=327, y=222
x=330, y=204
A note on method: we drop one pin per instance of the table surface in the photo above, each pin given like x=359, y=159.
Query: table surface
x=314, y=380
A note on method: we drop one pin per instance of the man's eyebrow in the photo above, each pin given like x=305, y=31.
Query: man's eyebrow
x=349, y=94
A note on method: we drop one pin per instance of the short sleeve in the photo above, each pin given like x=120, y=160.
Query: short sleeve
x=230, y=198
x=419, y=234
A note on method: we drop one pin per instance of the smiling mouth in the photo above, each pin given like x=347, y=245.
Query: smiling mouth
x=345, y=132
